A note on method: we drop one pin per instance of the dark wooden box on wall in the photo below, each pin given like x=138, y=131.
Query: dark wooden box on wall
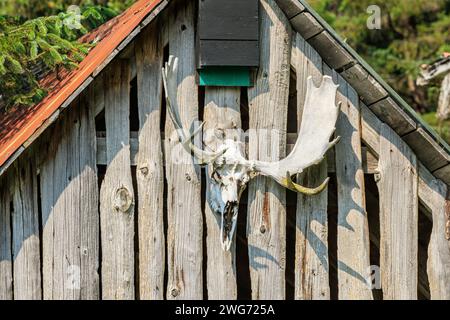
x=228, y=36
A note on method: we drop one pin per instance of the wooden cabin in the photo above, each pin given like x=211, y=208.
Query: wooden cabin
x=91, y=208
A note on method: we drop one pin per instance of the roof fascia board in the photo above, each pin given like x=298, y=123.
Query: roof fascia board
x=394, y=95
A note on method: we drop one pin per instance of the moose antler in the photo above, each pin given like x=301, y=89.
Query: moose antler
x=231, y=171
x=318, y=125
x=169, y=75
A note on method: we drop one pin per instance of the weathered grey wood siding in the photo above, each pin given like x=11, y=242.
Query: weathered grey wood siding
x=149, y=169
x=117, y=199
x=69, y=195
x=312, y=278
x=185, y=220
x=266, y=223
x=433, y=194
x=353, y=228
x=25, y=231
x=398, y=187
x=222, y=121
x=6, y=276
x=68, y=228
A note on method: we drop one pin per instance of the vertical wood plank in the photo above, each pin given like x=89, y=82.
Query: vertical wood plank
x=353, y=242
x=268, y=101
x=50, y=184
x=88, y=200
x=6, y=281
x=25, y=231
x=97, y=94
x=69, y=195
x=398, y=189
x=311, y=249
x=116, y=193
x=222, y=116
x=433, y=193
x=149, y=170
x=185, y=221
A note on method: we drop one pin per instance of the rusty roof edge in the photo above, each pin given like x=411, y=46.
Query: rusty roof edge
x=144, y=22
x=391, y=92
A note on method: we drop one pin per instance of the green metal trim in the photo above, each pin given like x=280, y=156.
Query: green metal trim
x=225, y=76
x=394, y=95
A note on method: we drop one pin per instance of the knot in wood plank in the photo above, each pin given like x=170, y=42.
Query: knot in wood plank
x=262, y=229
x=123, y=200
x=175, y=292
x=144, y=170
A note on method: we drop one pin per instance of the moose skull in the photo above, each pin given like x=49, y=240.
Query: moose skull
x=228, y=178
x=229, y=171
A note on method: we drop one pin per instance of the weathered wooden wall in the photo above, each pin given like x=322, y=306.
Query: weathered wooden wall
x=266, y=223
x=97, y=211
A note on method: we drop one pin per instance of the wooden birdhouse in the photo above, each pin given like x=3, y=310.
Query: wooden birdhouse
x=228, y=41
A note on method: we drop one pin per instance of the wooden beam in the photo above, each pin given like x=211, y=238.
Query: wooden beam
x=305, y=24
x=390, y=112
x=185, y=221
x=150, y=166
x=116, y=193
x=25, y=231
x=423, y=286
x=98, y=97
x=222, y=112
x=311, y=248
x=353, y=244
x=434, y=193
x=291, y=8
x=370, y=129
x=443, y=174
x=369, y=160
x=6, y=275
x=70, y=219
x=330, y=50
x=266, y=223
x=368, y=88
x=430, y=153
x=398, y=217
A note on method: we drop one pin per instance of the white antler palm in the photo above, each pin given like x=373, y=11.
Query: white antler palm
x=317, y=127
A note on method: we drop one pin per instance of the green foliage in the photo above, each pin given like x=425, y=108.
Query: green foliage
x=43, y=43
x=30, y=9
x=413, y=32
x=442, y=128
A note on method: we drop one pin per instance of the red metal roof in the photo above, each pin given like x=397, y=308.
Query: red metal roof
x=19, y=124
